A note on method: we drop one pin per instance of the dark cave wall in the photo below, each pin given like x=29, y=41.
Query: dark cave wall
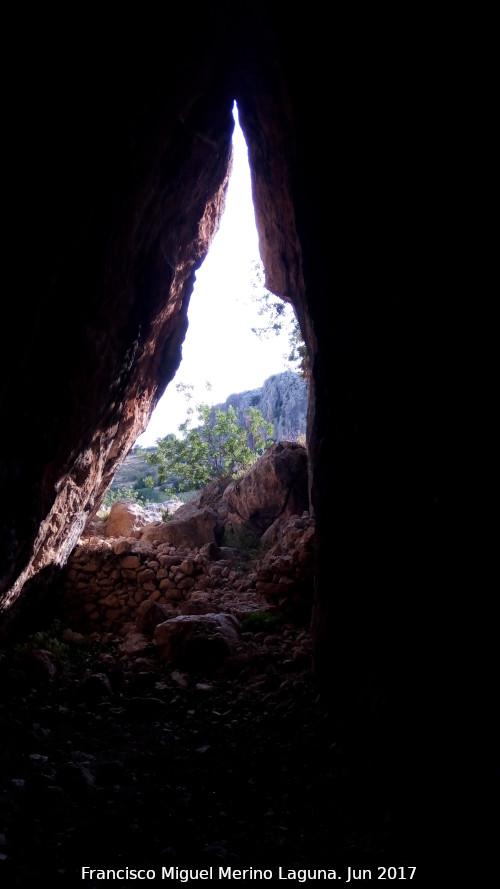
x=125, y=188
x=353, y=245
x=347, y=152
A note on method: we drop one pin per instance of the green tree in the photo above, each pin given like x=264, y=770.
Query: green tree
x=216, y=448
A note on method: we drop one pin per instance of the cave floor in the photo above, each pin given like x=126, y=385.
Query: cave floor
x=242, y=768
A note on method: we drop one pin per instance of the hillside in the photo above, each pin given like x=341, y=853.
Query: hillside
x=131, y=471
x=282, y=399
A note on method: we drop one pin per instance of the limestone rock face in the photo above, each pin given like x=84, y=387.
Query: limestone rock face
x=275, y=486
x=126, y=519
x=282, y=400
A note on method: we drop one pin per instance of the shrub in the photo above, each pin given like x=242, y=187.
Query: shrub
x=113, y=496
x=71, y=656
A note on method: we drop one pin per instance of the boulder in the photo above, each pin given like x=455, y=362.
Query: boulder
x=149, y=615
x=41, y=665
x=198, y=640
x=95, y=687
x=275, y=486
x=210, y=496
x=134, y=643
x=211, y=552
x=194, y=529
x=126, y=519
x=95, y=527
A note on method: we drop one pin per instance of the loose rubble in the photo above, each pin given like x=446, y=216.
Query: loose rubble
x=118, y=758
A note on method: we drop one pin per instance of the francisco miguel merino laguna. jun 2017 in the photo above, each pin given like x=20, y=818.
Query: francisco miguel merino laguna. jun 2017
x=184, y=875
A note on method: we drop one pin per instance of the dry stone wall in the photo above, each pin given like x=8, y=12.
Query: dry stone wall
x=108, y=579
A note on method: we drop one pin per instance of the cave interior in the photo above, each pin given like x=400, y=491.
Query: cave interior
x=119, y=164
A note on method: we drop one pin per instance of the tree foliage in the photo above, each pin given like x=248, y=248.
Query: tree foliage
x=280, y=316
x=218, y=447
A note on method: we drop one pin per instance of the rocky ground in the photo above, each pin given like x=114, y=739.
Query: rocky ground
x=125, y=762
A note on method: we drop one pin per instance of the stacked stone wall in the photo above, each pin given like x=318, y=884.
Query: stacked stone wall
x=108, y=579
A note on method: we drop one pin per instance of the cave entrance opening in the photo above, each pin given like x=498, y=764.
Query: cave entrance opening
x=221, y=346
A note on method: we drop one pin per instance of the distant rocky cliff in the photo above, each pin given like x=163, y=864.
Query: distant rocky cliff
x=282, y=400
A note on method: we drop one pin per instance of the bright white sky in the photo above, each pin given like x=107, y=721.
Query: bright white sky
x=220, y=346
